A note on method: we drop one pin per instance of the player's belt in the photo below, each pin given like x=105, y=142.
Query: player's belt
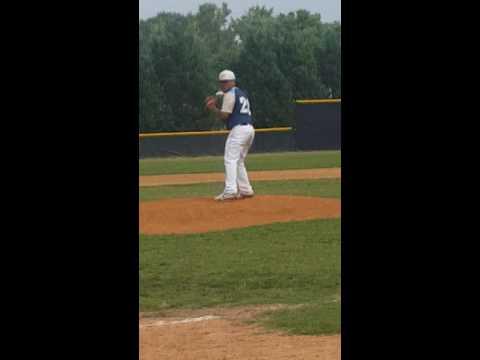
x=239, y=125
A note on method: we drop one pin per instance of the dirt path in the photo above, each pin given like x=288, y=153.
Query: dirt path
x=222, y=334
x=326, y=173
x=196, y=215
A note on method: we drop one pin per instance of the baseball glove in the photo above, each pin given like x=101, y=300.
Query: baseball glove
x=210, y=102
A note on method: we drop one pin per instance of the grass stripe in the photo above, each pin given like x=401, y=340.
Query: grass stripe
x=271, y=161
x=321, y=188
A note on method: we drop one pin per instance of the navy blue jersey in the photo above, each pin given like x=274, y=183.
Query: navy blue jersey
x=241, y=112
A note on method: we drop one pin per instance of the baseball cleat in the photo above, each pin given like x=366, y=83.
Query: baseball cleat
x=244, y=195
x=223, y=197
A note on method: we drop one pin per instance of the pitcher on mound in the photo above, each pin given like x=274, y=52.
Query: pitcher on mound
x=236, y=113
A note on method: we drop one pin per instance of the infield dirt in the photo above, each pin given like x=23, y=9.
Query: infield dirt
x=177, y=179
x=197, y=215
x=227, y=336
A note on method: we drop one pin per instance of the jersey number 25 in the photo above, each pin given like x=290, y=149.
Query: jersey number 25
x=245, y=109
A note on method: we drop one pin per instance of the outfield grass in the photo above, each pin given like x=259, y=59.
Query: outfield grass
x=288, y=263
x=270, y=161
x=322, y=188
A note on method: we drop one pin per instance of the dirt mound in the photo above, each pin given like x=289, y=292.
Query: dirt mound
x=222, y=334
x=196, y=215
x=324, y=173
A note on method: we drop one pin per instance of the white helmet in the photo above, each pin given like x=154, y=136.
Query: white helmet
x=226, y=75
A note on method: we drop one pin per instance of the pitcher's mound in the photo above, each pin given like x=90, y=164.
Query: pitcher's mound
x=196, y=215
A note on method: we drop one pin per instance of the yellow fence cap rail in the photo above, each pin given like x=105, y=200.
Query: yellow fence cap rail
x=318, y=101
x=215, y=132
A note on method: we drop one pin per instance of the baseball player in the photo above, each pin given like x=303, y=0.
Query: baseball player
x=236, y=113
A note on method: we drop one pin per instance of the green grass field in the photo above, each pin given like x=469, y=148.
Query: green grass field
x=287, y=263
x=320, y=318
x=296, y=263
x=273, y=161
x=323, y=188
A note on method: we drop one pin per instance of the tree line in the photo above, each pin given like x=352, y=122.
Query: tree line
x=276, y=58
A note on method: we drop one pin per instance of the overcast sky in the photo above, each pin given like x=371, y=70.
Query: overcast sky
x=329, y=9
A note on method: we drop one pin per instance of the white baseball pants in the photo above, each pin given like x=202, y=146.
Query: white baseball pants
x=238, y=143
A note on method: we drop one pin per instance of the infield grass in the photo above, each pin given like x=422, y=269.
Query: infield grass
x=296, y=263
x=321, y=318
x=286, y=263
x=323, y=188
x=269, y=161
